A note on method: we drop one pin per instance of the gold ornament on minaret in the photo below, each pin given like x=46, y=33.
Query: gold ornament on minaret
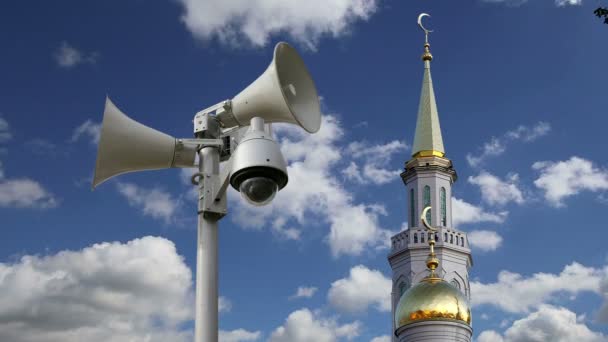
x=433, y=298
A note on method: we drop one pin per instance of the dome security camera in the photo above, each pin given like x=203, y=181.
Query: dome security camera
x=259, y=170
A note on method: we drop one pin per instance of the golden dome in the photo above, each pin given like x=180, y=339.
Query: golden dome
x=432, y=299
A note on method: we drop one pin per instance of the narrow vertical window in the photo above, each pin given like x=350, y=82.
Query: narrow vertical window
x=421, y=237
x=427, y=202
x=445, y=237
x=462, y=241
x=402, y=288
x=415, y=238
x=444, y=216
x=412, y=209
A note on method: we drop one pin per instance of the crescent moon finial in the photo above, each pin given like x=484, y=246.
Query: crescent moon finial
x=424, y=221
x=431, y=262
x=422, y=15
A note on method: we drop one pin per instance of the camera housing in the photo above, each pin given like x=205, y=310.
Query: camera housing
x=259, y=170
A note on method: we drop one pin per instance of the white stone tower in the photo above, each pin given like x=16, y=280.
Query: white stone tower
x=428, y=178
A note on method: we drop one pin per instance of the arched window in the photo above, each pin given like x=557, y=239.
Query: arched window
x=436, y=237
x=415, y=238
x=462, y=241
x=455, y=283
x=444, y=220
x=422, y=237
x=445, y=237
x=412, y=209
x=452, y=238
x=427, y=202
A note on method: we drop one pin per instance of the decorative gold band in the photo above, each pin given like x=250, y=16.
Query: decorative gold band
x=428, y=153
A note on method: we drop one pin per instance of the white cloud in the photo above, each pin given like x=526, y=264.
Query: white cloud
x=315, y=195
x=518, y=294
x=495, y=191
x=5, y=133
x=566, y=178
x=153, y=202
x=362, y=289
x=561, y=3
x=25, y=193
x=21, y=192
x=489, y=336
x=239, y=335
x=254, y=22
x=383, y=338
x=305, y=326
x=224, y=304
x=549, y=323
x=304, y=292
x=68, y=56
x=375, y=159
x=134, y=291
x=464, y=212
x=88, y=129
x=497, y=146
x=485, y=240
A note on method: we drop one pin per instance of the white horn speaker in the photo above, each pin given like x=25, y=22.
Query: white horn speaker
x=125, y=145
x=285, y=92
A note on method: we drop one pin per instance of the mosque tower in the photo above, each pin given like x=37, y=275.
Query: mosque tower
x=430, y=299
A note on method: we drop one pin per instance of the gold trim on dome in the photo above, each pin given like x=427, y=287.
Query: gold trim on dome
x=428, y=153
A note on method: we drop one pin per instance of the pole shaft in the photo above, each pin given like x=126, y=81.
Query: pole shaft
x=206, y=322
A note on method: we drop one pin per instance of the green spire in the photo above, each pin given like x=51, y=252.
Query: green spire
x=427, y=139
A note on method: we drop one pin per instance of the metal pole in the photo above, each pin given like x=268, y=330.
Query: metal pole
x=206, y=322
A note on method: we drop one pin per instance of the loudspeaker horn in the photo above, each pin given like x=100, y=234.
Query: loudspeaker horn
x=285, y=92
x=126, y=145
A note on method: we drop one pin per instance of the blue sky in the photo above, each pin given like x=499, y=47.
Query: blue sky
x=520, y=92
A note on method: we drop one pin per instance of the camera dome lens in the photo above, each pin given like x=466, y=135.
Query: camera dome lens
x=258, y=191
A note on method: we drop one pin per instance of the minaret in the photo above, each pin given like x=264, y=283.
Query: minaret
x=428, y=178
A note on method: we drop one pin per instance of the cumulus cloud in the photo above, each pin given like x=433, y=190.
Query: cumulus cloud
x=561, y=3
x=21, y=192
x=489, y=336
x=238, y=335
x=383, y=338
x=88, y=129
x=254, y=22
x=304, y=292
x=464, y=212
x=153, y=202
x=25, y=193
x=498, y=145
x=496, y=191
x=134, y=291
x=515, y=293
x=67, y=56
x=316, y=195
x=485, y=240
x=224, y=304
x=360, y=290
x=567, y=178
x=305, y=326
x=548, y=323
x=374, y=159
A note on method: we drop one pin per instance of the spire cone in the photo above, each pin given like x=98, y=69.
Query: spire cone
x=427, y=139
